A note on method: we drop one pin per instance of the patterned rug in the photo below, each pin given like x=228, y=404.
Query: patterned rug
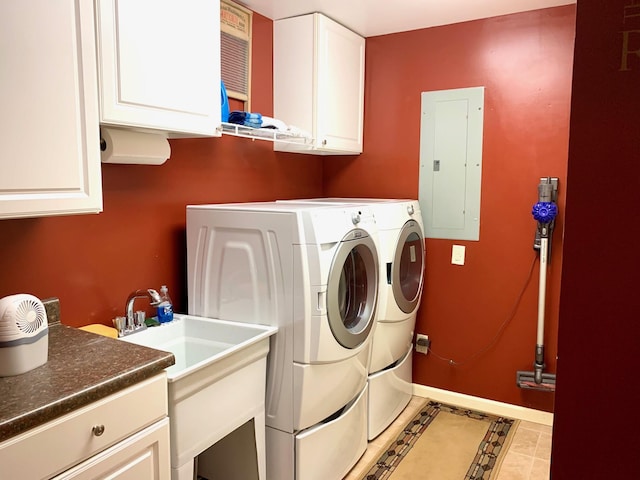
x=487, y=453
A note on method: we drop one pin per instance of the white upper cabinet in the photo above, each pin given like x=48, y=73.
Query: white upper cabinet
x=49, y=144
x=318, y=75
x=159, y=64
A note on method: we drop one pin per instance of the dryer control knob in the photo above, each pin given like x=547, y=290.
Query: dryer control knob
x=355, y=218
x=410, y=210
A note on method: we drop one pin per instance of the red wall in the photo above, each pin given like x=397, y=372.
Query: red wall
x=524, y=61
x=92, y=262
x=599, y=331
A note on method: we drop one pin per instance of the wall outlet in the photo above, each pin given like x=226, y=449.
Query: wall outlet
x=422, y=343
x=457, y=254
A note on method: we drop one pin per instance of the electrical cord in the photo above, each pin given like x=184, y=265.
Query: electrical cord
x=501, y=329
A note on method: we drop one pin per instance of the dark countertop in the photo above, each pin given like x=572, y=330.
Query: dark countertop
x=82, y=367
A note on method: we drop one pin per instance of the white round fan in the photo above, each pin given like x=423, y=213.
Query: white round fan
x=23, y=334
x=21, y=315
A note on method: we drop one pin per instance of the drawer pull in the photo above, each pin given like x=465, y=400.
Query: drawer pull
x=98, y=430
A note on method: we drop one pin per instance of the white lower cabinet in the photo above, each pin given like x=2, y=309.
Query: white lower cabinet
x=124, y=436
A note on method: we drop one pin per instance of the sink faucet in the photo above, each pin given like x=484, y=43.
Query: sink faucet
x=150, y=293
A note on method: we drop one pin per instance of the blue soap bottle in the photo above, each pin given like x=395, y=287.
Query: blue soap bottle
x=224, y=108
x=165, y=308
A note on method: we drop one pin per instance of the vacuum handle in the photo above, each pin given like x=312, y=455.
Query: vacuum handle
x=542, y=288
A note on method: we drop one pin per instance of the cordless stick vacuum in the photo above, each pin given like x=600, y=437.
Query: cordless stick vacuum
x=544, y=212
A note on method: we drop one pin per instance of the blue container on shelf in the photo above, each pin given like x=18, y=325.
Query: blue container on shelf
x=225, y=103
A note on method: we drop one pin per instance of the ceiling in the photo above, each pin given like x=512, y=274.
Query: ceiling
x=379, y=17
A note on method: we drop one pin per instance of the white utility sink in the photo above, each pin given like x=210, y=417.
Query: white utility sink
x=216, y=385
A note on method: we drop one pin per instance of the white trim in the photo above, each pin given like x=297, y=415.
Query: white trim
x=484, y=405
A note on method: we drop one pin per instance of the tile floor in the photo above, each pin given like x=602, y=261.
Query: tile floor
x=528, y=456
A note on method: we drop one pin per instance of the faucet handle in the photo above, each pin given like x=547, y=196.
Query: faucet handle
x=154, y=297
x=150, y=293
x=121, y=325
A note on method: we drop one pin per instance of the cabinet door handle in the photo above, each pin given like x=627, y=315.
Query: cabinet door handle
x=98, y=430
x=324, y=143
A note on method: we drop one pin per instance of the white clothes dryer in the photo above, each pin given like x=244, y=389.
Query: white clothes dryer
x=312, y=271
x=401, y=281
x=402, y=262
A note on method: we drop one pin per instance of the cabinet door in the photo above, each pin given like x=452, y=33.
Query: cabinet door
x=118, y=416
x=49, y=144
x=143, y=456
x=318, y=80
x=159, y=64
x=340, y=87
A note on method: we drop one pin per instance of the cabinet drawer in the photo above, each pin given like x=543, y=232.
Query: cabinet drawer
x=143, y=456
x=58, y=445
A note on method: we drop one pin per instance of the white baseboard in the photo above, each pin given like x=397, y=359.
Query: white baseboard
x=484, y=405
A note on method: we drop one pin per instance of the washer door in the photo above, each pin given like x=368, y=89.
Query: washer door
x=352, y=289
x=408, y=267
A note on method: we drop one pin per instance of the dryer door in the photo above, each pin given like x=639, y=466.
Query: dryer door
x=407, y=274
x=352, y=289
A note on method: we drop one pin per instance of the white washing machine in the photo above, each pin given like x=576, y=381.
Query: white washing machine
x=312, y=271
x=401, y=279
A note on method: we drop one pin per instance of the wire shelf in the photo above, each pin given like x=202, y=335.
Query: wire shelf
x=268, y=134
